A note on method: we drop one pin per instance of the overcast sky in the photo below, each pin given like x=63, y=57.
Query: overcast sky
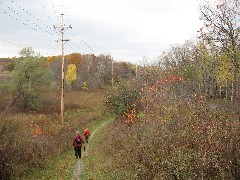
x=125, y=29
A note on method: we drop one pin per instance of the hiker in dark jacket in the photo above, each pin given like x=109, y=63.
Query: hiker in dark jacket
x=77, y=143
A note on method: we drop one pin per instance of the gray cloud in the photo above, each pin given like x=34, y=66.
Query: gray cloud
x=127, y=30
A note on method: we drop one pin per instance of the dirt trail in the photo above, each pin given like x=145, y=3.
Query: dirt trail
x=79, y=165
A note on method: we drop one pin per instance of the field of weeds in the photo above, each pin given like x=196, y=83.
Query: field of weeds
x=30, y=140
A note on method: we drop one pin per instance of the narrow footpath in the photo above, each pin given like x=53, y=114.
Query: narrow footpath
x=79, y=165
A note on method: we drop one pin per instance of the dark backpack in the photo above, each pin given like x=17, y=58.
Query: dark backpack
x=78, y=140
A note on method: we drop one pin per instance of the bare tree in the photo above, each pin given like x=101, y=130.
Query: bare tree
x=221, y=25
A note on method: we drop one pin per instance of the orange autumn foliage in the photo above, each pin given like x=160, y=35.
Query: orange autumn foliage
x=130, y=117
x=37, y=131
x=75, y=58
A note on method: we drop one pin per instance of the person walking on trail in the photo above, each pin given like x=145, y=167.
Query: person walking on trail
x=77, y=143
x=86, y=134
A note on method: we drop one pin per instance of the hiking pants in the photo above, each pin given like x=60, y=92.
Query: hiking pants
x=86, y=137
x=78, y=152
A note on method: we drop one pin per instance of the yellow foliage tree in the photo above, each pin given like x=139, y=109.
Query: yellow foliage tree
x=225, y=71
x=71, y=75
x=85, y=86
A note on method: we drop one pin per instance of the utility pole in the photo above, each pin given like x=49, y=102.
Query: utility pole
x=62, y=28
x=136, y=69
x=112, y=72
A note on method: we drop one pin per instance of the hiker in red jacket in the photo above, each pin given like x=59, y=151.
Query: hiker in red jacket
x=77, y=143
x=86, y=134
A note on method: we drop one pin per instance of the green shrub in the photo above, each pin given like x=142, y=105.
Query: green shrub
x=124, y=97
x=29, y=79
x=192, y=142
x=180, y=136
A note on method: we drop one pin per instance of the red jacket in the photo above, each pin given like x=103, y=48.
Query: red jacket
x=86, y=132
x=75, y=139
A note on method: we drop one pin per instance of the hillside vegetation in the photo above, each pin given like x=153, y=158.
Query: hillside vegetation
x=31, y=141
x=177, y=117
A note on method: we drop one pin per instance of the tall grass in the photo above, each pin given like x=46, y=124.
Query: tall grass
x=179, y=135
x=181, y=143
x=30, y=141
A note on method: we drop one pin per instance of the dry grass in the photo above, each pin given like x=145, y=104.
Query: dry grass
x=39, y=136
x=4, y=100
x=187, y=143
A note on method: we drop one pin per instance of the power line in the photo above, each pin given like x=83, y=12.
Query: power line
x=16, y=15
x=29, y=26
x=45, y=52
x=75, y=40
x=27, y=21
x=77, y=46
x=12, y=43
x=49, y=18
x=37, y=19
x=18, y=20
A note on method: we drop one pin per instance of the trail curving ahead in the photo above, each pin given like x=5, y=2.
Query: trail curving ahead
x=79, y=165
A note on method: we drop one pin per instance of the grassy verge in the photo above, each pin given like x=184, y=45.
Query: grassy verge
x=42, y=148
x=95, y=163
x=62, y=167
x=59, y=168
